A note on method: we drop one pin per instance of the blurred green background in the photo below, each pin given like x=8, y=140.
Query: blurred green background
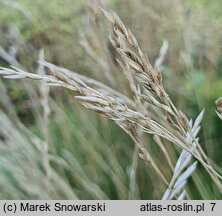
x=73, y=153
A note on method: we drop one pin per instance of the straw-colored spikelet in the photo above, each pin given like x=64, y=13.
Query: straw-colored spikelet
x=163, y=120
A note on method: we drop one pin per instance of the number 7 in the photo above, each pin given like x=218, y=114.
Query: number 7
x=213, y=205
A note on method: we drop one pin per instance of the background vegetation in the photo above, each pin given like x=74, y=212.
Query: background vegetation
x=88, y=156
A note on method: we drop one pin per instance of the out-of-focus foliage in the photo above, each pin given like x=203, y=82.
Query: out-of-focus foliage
x=52, y=25
x=89, y=157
